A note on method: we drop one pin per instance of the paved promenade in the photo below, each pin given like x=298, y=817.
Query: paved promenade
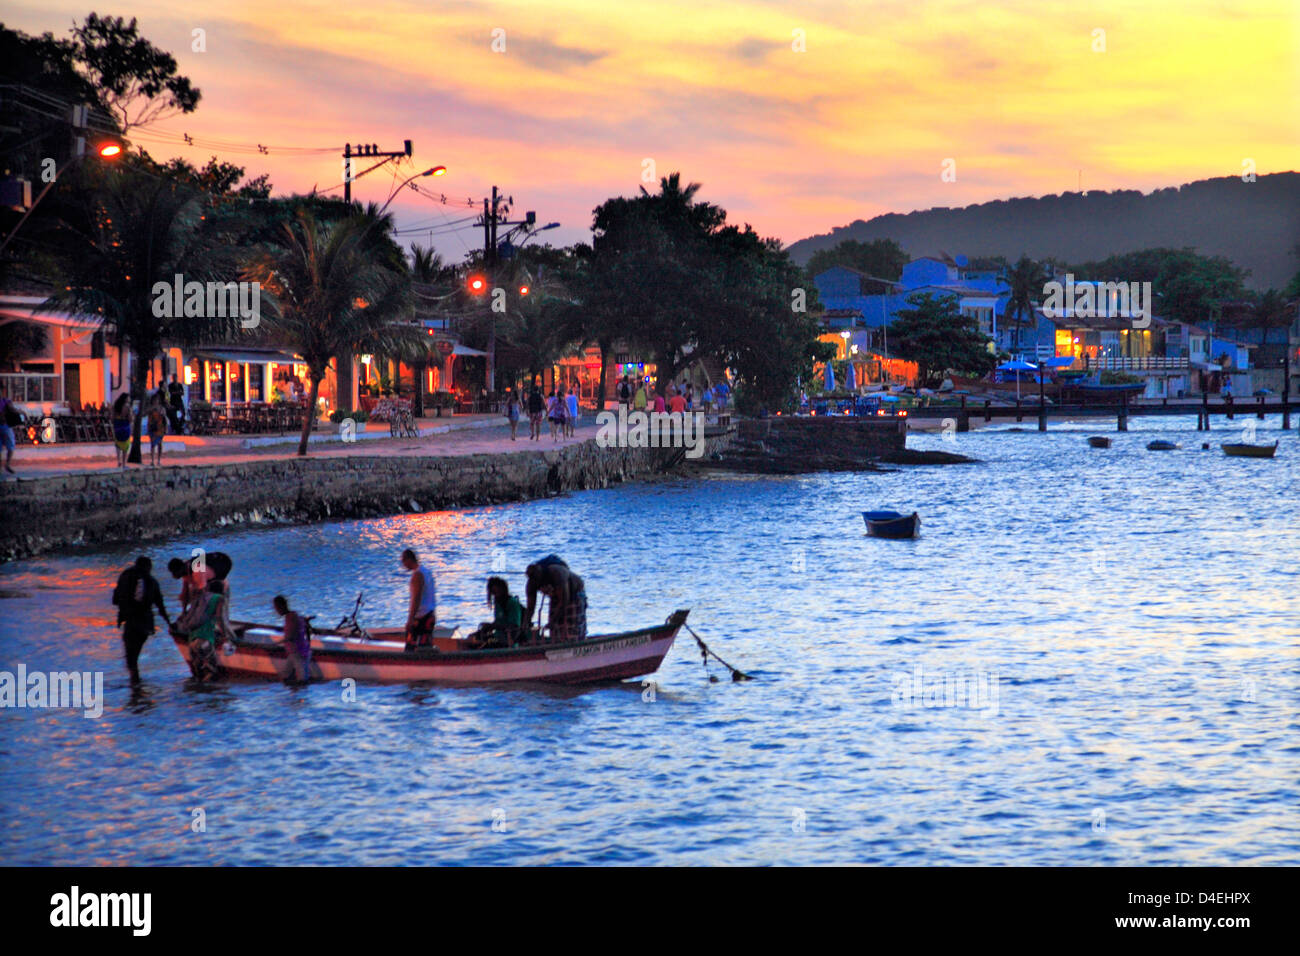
x=461, y=435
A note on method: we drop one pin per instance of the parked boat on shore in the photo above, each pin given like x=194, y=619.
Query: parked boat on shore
x=381, y=656
x=892, y=524
x=1244, y=450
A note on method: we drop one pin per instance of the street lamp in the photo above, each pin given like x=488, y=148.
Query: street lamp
x=106, y=150
x=431, y=171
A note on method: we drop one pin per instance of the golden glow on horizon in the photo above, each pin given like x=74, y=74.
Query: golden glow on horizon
x=793, y=142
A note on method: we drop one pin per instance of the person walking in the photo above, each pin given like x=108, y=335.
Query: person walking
x=536, y=408
x=136, y=595
x=122, y=419
x=512, y=413
x=10, y=418
x=157, y=426
x=176, y=406
x=571, y=420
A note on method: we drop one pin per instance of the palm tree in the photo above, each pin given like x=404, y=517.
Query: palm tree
x=140, y=230
x=429, y=274
x=1026, y=279
x=1271, y=311
x=336, y=290
x=426, y=264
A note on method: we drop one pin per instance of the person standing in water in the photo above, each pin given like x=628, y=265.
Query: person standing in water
x=136, y=595
x=297, y=646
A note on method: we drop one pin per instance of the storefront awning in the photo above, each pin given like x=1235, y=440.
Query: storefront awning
x=465, y=350
x=249, y=356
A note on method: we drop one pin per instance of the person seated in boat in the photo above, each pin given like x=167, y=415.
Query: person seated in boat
x=422, y=613
x=205, y=625
x=567, y=617
x=297, y=646
x=507, y=627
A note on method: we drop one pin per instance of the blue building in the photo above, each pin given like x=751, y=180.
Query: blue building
x=982, y=294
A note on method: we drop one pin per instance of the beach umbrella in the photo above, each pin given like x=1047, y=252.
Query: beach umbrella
x=1017, y=366
x=850, y=378
x=830, y=377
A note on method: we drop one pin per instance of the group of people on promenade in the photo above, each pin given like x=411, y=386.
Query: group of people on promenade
x=205, y=595
x=163, y=412
x=639, y=394
x=559, y=408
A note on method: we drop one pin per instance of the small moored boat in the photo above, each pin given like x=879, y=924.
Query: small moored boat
x=1099, y=441
x=892, y=524
x=381, y=656
x=1161, y=445
x=1243, y=450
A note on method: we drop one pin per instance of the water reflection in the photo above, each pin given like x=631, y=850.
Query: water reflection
x=1139, y=609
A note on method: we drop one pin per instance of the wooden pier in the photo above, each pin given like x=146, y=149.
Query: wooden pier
x=1229, y=408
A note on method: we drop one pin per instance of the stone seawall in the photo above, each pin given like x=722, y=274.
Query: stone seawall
x=827, y=443
x=41, y=515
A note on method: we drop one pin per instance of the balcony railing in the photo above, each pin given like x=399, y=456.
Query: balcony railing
x=1149, y=363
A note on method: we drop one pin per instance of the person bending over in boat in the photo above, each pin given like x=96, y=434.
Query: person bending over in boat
x=195, y=574
x=567, y=618
x=204, y=626
x=297, y=646
x=423, y=612
x=507, y=627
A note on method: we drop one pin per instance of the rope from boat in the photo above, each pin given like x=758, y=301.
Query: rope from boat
x=737, y=675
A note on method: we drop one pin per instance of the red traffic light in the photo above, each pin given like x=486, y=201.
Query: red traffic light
x=477, y=284
x=523, y=290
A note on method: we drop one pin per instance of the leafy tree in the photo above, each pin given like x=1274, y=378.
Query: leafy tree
x=137, y=81
x=19, y=341
x=1189, y=286
x=138, y=230
x=760, y=335
x=653, y=252
x=938, y=338
x=335, y=290
x=882, y=258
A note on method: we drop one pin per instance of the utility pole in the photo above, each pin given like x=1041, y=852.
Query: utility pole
x=489, y=265
x=366, y=151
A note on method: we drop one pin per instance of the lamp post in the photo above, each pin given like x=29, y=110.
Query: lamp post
x=431, y=171
x=107, y=150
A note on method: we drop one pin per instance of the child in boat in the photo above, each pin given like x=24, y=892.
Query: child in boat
x=507, y=627
x=297, y=646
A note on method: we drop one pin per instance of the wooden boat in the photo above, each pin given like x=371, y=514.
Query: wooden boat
x=1099, y=441
x=1161, y=445
x=892, y=524
x=382, y=657
x=1243, y=450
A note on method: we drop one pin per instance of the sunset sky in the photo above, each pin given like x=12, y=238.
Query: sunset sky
x=793, y=142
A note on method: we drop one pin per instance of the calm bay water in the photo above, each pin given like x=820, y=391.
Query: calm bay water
x=1136, y=614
